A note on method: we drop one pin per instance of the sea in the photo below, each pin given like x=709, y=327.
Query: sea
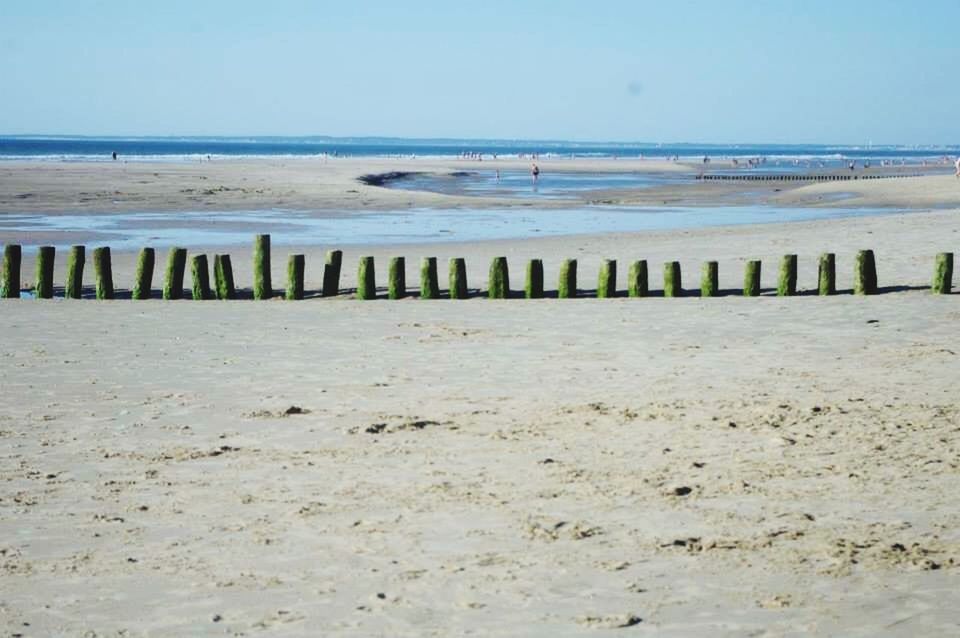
x=78, y=148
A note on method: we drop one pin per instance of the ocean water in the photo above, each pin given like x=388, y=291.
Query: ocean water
x=203, y=230
x=64, y=148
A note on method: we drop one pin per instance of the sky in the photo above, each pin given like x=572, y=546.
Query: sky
x=776, y=71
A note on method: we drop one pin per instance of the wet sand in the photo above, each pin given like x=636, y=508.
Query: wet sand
x=318, y=185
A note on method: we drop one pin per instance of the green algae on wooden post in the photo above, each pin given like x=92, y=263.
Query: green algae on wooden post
x=262, y=284
x=173, y=281
x=637, y=279
x=865, y=273
x=44, y=272
x=366, y=279
x=787, y=282
x=942, y=274
x=295, y=268
x=143, y=282
x=429, y=279
x=533, y=289
x=223, y=277
x=567, y=285
x=607, y=279
x=751, y=278
x=10, y=284
x=200, y=274
x=397, y=278
x=710, y=279
x=73, y=287
x=672, y=283
x=103, y=271
x=827, y=274
x=331, y=273
x=499, y=284
x=458, y=278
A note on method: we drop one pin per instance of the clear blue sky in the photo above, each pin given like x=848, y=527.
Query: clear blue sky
x=850, y=71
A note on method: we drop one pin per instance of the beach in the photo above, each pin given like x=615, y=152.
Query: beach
x=726, y=466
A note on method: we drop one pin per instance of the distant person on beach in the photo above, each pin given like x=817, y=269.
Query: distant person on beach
x=956, y=166
x=535, y=172
x=114, y=155
x=498, y=175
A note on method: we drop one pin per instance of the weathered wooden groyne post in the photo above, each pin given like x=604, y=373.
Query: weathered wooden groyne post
x=223, y=277
x=10, y=285
x=397, y=278
x=672, y=282
x=44, y=272
x=787, y=282
x=73, y=288
x=262, y=284
x=637, y=280
x=331, y=273
x=173, y=281
x=827, y=274
x=200, y=276
x=366, y=279
x=533, y=288
x=429, y=278
x=499, y=279
x=296, y=264
x=865, y=273
x=607, y=279
x=103, y=271
x=458, y=278
x=710, y=279
x=567, y=284
x=751, y=278
x=143, y=281
x=942, y=274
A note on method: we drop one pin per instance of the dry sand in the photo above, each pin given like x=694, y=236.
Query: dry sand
x=657, y=467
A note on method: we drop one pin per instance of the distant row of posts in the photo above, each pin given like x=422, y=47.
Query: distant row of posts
x=498, y=287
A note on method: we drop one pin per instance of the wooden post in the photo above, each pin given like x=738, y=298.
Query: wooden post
x=397, y=278
x=223, y=277
x=295, y=268
x=637, y=284
x=44, y=272
x=567, y=286
x=10, y=286
x=331, y=273
x=366, y=279
x=173, y=282
x=73, y=289
x=262, y=284
x=534, y=284
x=499, y=278
x=458, y=278
x=607, y=279
x=103, y=270
x=672, y=283
x=429, y=280
x=200, y=274
x=144, y=278
x=865, y=273
x=751, y=279
x=943, y=274
x=827, y=274
x=787, y=282
x=710, y=279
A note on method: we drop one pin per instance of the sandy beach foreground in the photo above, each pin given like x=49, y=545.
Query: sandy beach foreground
x=669, y=467
x=719, y=467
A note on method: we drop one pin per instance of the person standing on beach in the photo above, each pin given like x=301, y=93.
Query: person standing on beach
x=956, y=167
x=535, y=172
